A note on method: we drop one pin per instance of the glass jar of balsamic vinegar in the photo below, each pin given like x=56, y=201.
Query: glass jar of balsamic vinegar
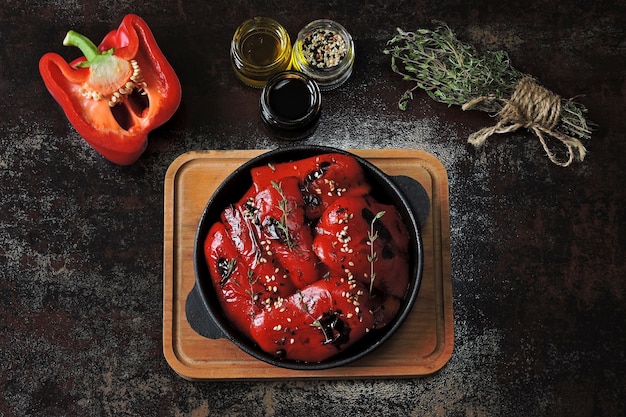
x=290, y=105
x=260, y=48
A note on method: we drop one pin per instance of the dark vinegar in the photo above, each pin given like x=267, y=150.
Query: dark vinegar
x=290, y=99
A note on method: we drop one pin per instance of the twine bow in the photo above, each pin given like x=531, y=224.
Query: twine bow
x=535, y=108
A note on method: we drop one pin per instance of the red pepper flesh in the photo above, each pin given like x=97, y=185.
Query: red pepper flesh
x=119, y=132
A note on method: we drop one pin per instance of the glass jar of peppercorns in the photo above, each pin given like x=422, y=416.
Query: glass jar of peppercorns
x=324, y=51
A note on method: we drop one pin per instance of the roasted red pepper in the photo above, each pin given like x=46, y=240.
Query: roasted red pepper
x=117, y=92
x=323, y=179
x=369, y=239
x=230, y=275
x=303, y=285
x=284, y=232
x=316, y=323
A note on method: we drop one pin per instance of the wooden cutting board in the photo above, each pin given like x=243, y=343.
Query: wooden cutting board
x=423, y=344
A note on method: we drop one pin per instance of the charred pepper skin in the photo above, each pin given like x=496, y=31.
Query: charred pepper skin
x=118, y=133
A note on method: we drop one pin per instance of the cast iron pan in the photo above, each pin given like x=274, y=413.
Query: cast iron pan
x=203, y=310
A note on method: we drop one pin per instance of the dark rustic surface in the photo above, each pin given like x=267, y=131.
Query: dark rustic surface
x=537, y=250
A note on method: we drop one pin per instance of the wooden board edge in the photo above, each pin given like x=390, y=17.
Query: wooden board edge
x=441, y=183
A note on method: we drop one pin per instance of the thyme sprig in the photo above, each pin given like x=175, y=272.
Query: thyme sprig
x=228, y=270
x=454, y=73
x=304, y=307
x=252, y=280
x=283, y=205
x=372, y=235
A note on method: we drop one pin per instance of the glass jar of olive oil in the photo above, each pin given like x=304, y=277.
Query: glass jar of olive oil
x=260, y=48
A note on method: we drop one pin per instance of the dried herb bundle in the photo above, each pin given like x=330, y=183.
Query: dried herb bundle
x=452, y=72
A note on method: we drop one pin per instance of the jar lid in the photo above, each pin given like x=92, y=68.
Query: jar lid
x=291, y=105
x=324, y=51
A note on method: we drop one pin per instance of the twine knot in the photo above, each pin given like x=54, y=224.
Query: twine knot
x=535, y=108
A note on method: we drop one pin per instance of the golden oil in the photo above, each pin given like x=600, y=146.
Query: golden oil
x=260, y=48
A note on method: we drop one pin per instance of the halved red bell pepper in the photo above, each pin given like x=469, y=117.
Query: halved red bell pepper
x=117, y=92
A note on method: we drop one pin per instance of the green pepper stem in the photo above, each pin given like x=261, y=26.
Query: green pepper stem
x=86, y=46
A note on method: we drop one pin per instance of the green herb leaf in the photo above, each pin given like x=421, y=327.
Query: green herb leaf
x=283, y=205
x=373, y=257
